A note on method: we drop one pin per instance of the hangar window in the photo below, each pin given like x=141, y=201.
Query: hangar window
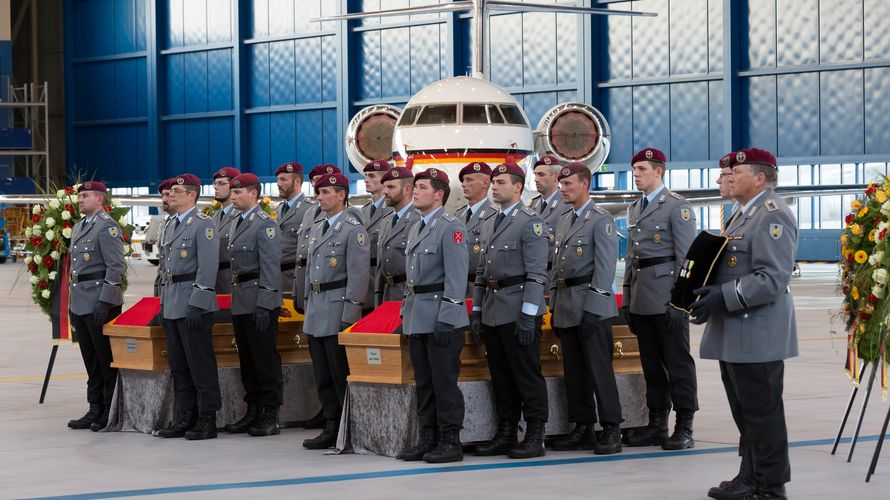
x=408, y=116
x=438, y=114
x=481, y=113
x=513, y=115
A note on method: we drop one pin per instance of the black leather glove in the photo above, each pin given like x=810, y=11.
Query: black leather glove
x=344, y=325
x=193, y=318
x=442, y=335
x=525, y=329
x=100, y=314
x=476, y=326
x=588, y=325
x=262, y=318
x=674, y=318
x=710, y=301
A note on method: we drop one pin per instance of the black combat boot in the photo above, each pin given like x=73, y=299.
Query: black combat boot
x=609, y=441
x=533, y=444
x=768, y=493
x=582, y=437
x=316, y=422
x=503, y=440
x=738, y=487
x=245, y=422
x=448, y=450
x=266, y=423
x=429, y=438
x=653, y=434
x=204, y=429
x=327, y=438
x=101, y=422
x=91, y=416
x=185, y=420
x=681, y=439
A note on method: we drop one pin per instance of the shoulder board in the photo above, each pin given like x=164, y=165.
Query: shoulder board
x=676, y=196
x=202, y=215
x=486, y=213
x=771, y=205
x=449, y=217
x=311, y=201
x=601, y=210
x=527, y=211
x=104, y=216
x=353, y=221
x=262, y=214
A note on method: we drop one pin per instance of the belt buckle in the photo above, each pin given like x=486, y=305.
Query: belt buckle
x=316, y=287
x=388, y=279
x=410, y=288
x=635, y=261
x=234, y=278
x=560, y=282
x=492, y=284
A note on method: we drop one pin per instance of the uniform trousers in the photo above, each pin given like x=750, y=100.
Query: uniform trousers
x=668, y=366
x=754, y=391
x=331, y=369
x=95, y=348
x=519, y=388
x=439, y=400
x=589, y=377
x=193, y=364
x=260, y=360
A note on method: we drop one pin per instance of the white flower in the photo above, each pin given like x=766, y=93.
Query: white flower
x=66, y=215
x=60, y=193
x=54, y=204
x=28, y=232
x=36, y=209
x=55, y=255
x=66, y=232
x=50, y=222
x=28, y=259
x=52, y=275
x=72, y=199
x=878, y=291
x=36, y=230
x=45, y=294
x=885, y=208
x=880, y=276
x=126, y=248
x=34, y=280
x=50, y=235
x=123, y=221
x=876, y=258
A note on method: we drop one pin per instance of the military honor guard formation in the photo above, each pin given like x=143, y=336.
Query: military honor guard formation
x=515, y=261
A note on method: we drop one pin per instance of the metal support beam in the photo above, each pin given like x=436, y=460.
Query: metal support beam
x=153, y=45
x=240, y=133
x=731, y=84
x=344, y=86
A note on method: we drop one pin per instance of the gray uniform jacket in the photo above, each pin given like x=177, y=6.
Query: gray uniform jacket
x=441, y=245
x=372, y=226
x=551, y=215
x=290, y=238
x=159, y=279
x=474, y=236
x=224, y=225
x=255, y=247
x=391, y=256
x=96, y=248
x=190, y=247
x=339, y=256
x=310, y=217
x=754, y=273
x=517, y=248
x=663, y=231
x=586, y=249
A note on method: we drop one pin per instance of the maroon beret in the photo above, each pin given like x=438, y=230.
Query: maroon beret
x=245, y=180
x=187, y=180
x=290, y=167
x=334, y=179
x=507, y=168
x=571, y=169
x=167, y=184
x=477, y=167
x=227, y=172
x=396, y=173
x=324, y=168
x=728, y=160
x=377, y=166
x=431, y=173
x=755, y=156
x=649, y=154
x=92, y=186
x=548, y=160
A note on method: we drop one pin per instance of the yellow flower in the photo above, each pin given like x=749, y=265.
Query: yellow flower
x=274, y=215
x=856, y=205
x=844, y=239
x=856, y=229
x=855, y=292
x=267, y=200
x=860, y=257
x=871, y=235
x=863, y=212
x=881, y=196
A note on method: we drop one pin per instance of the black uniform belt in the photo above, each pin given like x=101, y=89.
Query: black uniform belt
x=505, y=282
x=373, y=262
x=652, y=261
x=224, y=265
x=179, y=278
x=288, y=266
x=302, y=262
x=241, y=278
x=431, y=288
x=577, y=280
x=330, y=285
x=98, y=275
x=394, y=279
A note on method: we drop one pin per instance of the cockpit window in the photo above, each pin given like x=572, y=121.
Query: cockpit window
x=438, y=114
x=408, y=116
x=482, y=113
x=513, y=115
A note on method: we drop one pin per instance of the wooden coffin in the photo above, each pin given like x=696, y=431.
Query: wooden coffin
x=625, y=354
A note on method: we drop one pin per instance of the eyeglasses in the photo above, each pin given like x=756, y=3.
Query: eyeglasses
x=177, y=190
x=221, y=182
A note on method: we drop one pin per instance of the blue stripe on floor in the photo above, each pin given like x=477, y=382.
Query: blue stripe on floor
x=511, y=464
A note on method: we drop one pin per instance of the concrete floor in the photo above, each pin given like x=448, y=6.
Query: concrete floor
x=40, y=456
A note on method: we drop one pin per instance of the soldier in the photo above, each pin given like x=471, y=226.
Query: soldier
x=336, y=289
x=164, y=190
x=372, y=215
x=398, y=191
x=508, y=303
x=475, y=180
x=191, y=257
x=435, y=318
x=661, y=226
x=726, y=163
x=583, y=307
x=290, y=216
x=255, y=249
x=548, y=204
x=97, y=267
x=224, y=219
x=751, y=328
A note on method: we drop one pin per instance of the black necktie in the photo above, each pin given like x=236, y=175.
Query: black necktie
x=176, y=224
x=574, y=217
x=284, y=207
x=395, y=219
x=644, y=204
x=240, y=220
x=499, y=219
x=325, y=227
x=422, y=225
x=373, y=209
x=469, y=214
x=543, y=206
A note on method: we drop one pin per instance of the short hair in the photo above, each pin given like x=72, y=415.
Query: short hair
x=255, y=187
x=770, y=173
x=193, y=189
x=440, y=185
x=585, y=175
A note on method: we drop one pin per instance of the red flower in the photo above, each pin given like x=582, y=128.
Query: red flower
x=850, y=258
x=69, y=208
x=883, y=233
x=57, y=244
x=108, y=208
x=873, y=299
x=876, y=220
x=48, y=262
x=69, y=190
x=35, y=218
x=43, y=284
x=36, y=241
x=126, y=237
x=67, y=223
x=870, y=190
x=864, y=315
x=32, y=268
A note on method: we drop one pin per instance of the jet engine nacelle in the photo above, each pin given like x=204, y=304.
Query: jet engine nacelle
x=369, y=134
x=574, y=131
